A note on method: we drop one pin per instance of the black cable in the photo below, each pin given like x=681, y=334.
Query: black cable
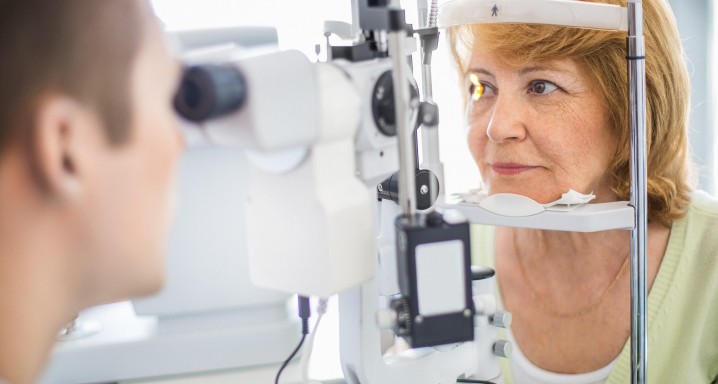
x=286, y=362
x=474, y=381
x=304, y=313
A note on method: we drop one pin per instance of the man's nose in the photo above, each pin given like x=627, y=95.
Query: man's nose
x=181, y=139
x=507, y=120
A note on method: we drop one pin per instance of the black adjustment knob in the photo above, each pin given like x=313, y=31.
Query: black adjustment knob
x=429, y=114
x=481, y=273
x=427, y=188
x=434, y=219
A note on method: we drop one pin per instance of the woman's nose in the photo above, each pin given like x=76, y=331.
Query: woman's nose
x=506, y=123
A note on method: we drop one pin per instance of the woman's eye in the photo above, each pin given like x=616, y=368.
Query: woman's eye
x=477, y=88
x=476, y=91
x=542, y=87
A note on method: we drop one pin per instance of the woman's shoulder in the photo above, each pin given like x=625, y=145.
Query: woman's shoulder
x=703, y=205
x=696, y=234
x=690, y=263
x=684, y=295
x=700, y=224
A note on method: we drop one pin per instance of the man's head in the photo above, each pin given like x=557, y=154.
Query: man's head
x=88, y=138
x=83, y=49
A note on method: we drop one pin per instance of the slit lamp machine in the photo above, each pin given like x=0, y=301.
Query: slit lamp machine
x=335, y=200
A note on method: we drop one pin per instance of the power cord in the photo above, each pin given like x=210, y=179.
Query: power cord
x=474, y=381
x=307, y=352
x=304, y=313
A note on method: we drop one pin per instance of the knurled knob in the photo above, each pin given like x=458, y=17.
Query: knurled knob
x=501, y=319
x=386, y=318
x=503, y=348
x=485, y=304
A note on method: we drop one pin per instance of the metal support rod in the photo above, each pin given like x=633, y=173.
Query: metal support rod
x=637, y=99
x=426, y=81
x=430, y=134
x=356, y=29
x=405, y=132
x=422, y=11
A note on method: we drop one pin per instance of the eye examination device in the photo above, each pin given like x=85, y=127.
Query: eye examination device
x=304, y=178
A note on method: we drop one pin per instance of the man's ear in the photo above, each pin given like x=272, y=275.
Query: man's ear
x=59, y=127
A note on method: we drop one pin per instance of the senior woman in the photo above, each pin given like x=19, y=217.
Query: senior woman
x=547, y=111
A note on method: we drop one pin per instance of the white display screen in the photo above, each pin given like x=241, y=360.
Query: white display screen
x=440, y=277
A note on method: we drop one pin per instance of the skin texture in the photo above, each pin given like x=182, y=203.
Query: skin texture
x=84, y=222
x=556, y=140
x=539, y=130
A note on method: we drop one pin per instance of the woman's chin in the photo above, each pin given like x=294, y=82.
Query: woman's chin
x=542, y=197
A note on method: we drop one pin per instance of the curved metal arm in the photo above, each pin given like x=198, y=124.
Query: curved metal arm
x=555, y=12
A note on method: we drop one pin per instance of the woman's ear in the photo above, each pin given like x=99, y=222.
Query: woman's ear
x=59, y=128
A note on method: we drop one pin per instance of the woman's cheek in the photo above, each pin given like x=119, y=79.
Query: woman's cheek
x=475, y=143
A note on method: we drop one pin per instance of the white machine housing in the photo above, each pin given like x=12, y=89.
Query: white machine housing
x=299, y=124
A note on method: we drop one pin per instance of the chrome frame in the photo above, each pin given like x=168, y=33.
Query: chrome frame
x=637, y=99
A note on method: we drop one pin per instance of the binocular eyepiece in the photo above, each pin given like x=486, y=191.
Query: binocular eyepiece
x=210, y=91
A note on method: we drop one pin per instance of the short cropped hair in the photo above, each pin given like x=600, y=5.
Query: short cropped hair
x=601, y=55
x=84, y=49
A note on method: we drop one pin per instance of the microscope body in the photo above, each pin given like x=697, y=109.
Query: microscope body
x=321, y=140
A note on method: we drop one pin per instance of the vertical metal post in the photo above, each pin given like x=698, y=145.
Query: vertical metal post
x=356, y=28
x=404, y=131
x=422, y=11
x=637, y=99
x=430, y=134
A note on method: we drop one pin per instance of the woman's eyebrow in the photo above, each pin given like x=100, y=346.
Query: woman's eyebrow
x=539, y=68
x=480, y=71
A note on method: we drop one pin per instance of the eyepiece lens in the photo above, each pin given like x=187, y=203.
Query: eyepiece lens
x=210, y=91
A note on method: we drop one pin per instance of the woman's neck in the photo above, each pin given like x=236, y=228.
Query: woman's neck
x=556, y=263
x=572, y=247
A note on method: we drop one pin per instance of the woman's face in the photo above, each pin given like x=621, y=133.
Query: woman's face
x=537, y=130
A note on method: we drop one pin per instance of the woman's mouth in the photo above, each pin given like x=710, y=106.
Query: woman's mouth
x=509, y=169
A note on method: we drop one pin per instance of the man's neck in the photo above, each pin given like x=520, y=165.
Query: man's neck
x=34, y=306
x=35, y=286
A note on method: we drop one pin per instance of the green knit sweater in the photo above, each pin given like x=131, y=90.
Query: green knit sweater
x=682, y=313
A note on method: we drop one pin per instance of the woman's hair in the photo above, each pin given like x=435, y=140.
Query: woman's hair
x=602, y=57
